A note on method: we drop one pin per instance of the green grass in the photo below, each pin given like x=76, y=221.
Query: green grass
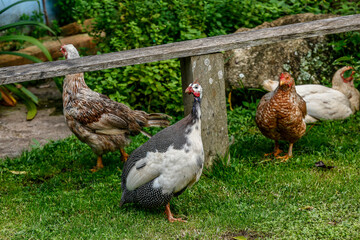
x=256, y=197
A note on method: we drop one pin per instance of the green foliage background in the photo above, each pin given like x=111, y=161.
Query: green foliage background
x=142, y=23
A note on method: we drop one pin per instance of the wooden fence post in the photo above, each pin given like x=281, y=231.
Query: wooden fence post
x=209, y=70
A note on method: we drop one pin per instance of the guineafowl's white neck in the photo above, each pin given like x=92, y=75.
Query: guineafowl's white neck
x=196, y=109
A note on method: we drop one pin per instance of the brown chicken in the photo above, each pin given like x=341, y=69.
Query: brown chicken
x=101, y=123
x=280, y=115
x=324, y=103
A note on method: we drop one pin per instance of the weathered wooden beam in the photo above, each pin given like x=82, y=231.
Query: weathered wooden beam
x=180, y=49
x=209, y=70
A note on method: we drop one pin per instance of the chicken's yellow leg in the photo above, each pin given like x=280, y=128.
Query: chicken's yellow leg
x=124, y=155
x=99, y=164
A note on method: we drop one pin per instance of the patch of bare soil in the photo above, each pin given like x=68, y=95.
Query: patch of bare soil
x=17, y=134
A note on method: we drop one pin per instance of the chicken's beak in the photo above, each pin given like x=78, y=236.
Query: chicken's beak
x=189, y=90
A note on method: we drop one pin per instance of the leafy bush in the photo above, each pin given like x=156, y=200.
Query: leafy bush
x=142, y=23
x=347, y=51
x=153, y=87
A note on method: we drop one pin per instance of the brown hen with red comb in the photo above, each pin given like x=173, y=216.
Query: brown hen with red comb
x=280, y=115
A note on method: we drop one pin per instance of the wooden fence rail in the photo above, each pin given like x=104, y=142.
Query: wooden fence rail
x=200, y=59
x=179, y=49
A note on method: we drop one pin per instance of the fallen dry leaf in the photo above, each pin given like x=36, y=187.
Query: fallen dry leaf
x=17, y=172
x=308, y=208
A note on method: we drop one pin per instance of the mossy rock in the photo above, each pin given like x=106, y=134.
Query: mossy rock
x=308, y=60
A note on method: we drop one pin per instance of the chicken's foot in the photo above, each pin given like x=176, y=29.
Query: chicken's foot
x=288, y=155
x=99, y=164
x=276, y=151
x=124, y=155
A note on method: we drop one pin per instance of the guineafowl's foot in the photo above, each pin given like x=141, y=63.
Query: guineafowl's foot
x=99, y=165
x=124, y=155
x=169, y=215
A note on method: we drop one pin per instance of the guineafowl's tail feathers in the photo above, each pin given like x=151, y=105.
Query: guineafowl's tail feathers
x=122, y=202
x=127, y=196
x=158, y=120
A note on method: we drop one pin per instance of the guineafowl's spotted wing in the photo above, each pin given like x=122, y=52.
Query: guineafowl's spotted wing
x=146, y=170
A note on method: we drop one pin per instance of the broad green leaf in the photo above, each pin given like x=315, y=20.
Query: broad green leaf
x=18, y=2
x=22, y=23
x=30, y=105
x=30, y=95
x=22, y=92
x=15, y=90
x=8, y=98
x=240, y=238
x=348, y=73
x=24, y=55
x=345, y=58
x=32, y=111
x=28, y=39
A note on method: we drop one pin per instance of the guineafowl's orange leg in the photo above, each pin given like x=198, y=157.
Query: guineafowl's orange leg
x=288, y=155
x=169, y=215
x=276, y=152
x=124, y=155
x=99, y=164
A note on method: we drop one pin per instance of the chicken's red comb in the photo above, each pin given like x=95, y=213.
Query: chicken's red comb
x=284, y=75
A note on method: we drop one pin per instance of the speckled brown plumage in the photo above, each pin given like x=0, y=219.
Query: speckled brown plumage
x=103, y=124
x=280, y=114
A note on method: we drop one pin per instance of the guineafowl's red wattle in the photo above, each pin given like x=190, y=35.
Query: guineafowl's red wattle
x=101, y=123
x=168, y=163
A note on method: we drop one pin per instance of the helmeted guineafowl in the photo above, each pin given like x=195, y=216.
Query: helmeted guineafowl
x=168, y=163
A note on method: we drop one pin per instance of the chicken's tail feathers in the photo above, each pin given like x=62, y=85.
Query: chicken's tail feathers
x=146, y=133
x=152, y=119
x=158, y=120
